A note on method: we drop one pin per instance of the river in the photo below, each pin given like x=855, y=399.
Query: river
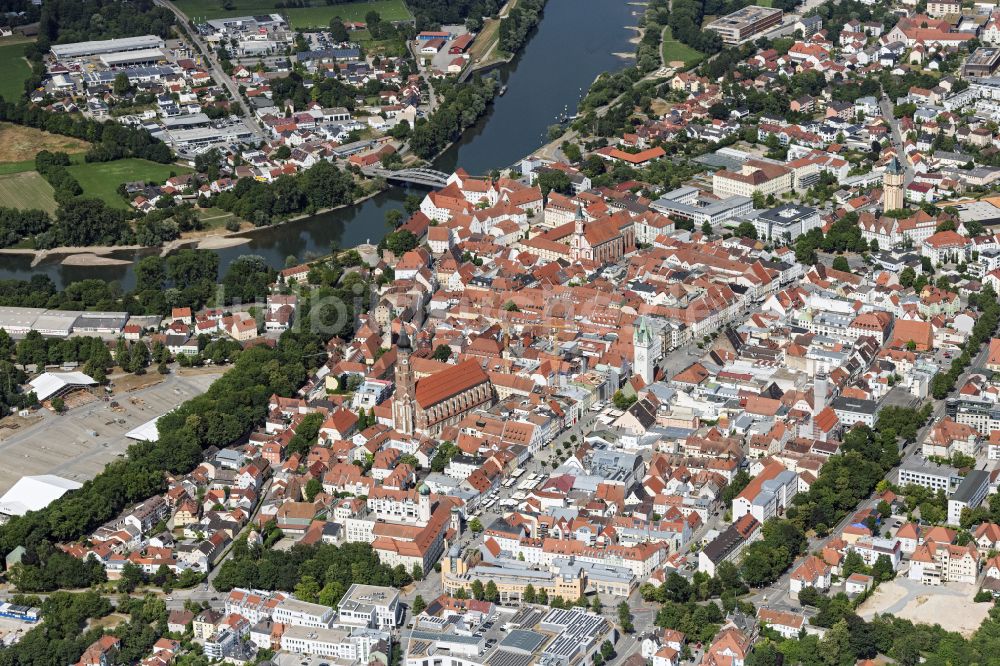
x=572, y=44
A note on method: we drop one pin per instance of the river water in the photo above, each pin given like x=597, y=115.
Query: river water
x=574, y=42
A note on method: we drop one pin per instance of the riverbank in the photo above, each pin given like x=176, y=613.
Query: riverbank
x=75, y=256
x=549, y=74
x=97, y=255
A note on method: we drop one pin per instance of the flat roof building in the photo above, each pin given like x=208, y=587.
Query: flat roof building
x=855, y=410
x=982, y=62
x=201, y=137
x=786, y=222
x=370, y=606
x=969, y=494
x=137, y=57
x=929, y=475
x=691, y=204
x=99, y=47
x=18, y=321
x=745, y=23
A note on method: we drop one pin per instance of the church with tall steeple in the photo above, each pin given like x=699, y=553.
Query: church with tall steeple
x=428, y=404
x=402, y=403
x=604, y=240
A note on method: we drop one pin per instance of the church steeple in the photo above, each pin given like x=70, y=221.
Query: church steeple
x=578, y=241
x=402, y=402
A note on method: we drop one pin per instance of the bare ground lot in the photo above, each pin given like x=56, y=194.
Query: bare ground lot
x=949, y=605
x=19, y=143
x=78, y=444
x=10, y=625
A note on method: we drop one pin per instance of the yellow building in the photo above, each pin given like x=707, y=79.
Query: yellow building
x=459, y=572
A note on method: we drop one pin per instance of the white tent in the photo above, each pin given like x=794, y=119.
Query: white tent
x=32, y=493
x=147, y=432
x=49, y=384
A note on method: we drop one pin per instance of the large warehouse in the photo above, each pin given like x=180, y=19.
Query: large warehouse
x=99, y=47
x=60, y=323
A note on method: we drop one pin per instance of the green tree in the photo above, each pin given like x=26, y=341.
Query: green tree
x=625, y=618
x=393, y=218
x=418, y=605
x=882, y=570
x=475, y=525
x=836, y=645
x=131, y=577
x=554, y=180
x=307, y=589
x=121, y=84
x=906, y=277
x=840, y=264
x=621, y=400
x=313, y=488
x=746, y=230
x=337, y=30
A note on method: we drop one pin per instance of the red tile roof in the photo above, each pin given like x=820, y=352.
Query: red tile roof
x=449, y=382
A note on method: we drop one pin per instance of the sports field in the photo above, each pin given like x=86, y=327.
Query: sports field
x=26, y=190
x=101, y=179
x=299, y=17
x=15, y=70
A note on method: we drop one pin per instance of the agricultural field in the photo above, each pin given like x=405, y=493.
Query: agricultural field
x=26, y=190
x=674, y=50
x=15, y=70
x=20, y=144
x=299, y=17
x=101, y=179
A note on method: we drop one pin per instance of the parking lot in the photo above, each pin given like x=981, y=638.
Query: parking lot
x=79, y=443
x=288, y=659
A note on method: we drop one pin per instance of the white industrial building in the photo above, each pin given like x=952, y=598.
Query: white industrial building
x=102, y=46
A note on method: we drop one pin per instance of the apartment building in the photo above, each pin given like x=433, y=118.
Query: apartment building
x=935, y=563
x=767, y=494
